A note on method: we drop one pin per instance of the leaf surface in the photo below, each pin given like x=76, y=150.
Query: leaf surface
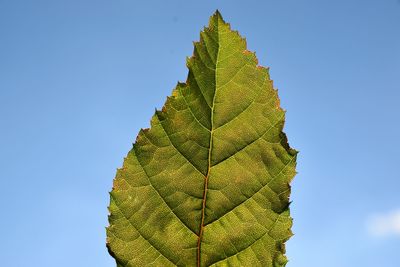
x=208, y=183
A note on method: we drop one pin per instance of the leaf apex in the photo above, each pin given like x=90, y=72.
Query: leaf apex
x=216, y=18
x=218, y=14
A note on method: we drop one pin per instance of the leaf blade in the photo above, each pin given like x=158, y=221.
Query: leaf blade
x=208, y=183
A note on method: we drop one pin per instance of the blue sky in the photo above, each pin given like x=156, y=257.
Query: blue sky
x=78, y=79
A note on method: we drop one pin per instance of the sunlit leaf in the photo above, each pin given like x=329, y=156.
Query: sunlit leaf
x=208, y=183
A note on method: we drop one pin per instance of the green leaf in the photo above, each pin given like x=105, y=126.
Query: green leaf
x=208, y=183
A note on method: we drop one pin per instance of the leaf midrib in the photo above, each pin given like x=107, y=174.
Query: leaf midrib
x=209, y=155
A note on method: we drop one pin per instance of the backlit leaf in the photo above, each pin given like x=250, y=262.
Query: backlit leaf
x=208, y=183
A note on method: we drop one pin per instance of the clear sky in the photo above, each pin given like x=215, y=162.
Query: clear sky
x=79, y=78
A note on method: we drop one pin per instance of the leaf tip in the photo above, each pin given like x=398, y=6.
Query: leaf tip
x=216, y=18
x=218, y=14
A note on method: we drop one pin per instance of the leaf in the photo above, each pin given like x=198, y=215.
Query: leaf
x=208, y=183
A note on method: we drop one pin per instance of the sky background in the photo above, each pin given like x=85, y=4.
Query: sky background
x=79, y=78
